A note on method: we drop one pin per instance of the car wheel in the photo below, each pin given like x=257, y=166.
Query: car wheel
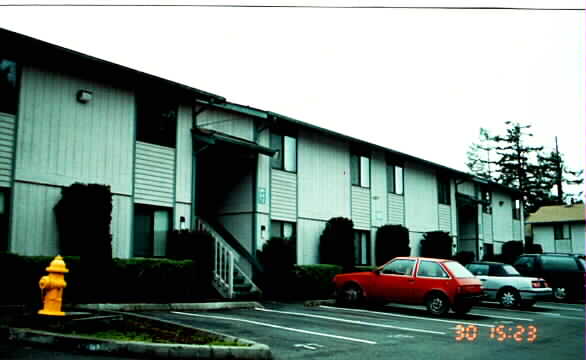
x=560, y=293
x=509, y=297
x=351, y=294
x=437, y=304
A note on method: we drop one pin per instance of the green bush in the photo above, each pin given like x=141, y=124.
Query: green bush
x=129, y=280
x=391, y=241
x=278, y=258
x=533, y=249
x=511, y=251
x=436, y=244
x=464, y=257
x=314, y=281
x=195, y=245
x=336, y=243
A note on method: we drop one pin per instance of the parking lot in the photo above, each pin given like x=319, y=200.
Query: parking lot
x=294, y=331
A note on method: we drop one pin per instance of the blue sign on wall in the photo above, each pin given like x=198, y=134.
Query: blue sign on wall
x=262, y=195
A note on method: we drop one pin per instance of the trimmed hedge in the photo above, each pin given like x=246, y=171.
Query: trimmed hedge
x=391, y=241
x=336, y=243
x=436, y=244
x=314, y=281
x=129, y=280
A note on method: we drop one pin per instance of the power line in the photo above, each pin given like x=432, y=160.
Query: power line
x=382, y=7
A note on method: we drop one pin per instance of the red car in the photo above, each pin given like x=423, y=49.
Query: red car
x=437, y=283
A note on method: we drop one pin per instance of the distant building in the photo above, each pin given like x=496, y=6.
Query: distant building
x=559, y=228
x=178, y=157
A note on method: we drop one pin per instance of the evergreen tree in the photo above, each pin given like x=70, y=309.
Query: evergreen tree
x=508, y=160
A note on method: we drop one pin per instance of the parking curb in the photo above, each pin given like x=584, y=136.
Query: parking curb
x=157, y=350
x=171, y=306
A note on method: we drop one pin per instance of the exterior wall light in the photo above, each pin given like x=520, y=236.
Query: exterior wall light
x=84, y=96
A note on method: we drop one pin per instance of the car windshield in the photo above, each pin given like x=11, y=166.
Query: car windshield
x=507, y=270
x=458, y=270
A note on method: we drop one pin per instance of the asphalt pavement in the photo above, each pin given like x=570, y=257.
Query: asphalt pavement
x=295, y=331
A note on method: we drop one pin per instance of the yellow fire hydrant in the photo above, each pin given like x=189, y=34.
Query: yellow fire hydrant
x=52, y=287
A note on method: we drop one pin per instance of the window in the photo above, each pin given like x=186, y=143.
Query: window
x=395, y=179
x=503, y=270
x=517, y=209
x=4, y=211
x=399, y=267
x=559, y=263
x=156, y=121
x=443, y=190
x=286, y=156
x=561, y=231
x=486, y=199
x=526, y=264
x=431, y=269
x=151, y=230
x=360, y=170
x=282, y=229
x=8, y=90
x=361, y=247
x=458, y=270
x=478, y=269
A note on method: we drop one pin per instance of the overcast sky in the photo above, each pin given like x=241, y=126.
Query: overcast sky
x=418, y=81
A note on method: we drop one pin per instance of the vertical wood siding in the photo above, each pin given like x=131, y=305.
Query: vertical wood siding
x=154, y=175
x=467, y=188
x=396, y=209
x=61, y=141
x=378, y=182
x=502, y=217
x=121, y=226
x=421, y=203
x=7, y=131
x=184, y=155
x=487, y=228
x=309, y=232
x=361, y=208
x=324, y=176
x=445, y=218
x=283, y=196
x=34, y=229
x=227, y=122
x=516, y=230
x=185, y=211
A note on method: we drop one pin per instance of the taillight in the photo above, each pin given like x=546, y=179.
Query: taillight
x=538, y=284
x=467, y=289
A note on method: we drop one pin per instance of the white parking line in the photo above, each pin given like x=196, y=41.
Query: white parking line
x=406, y=316
x=357, y=322
x=277, y=327
x=496, y=316
x=559, y=308
x=560, y=316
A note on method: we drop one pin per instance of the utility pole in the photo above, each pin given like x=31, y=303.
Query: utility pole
x=559, y=172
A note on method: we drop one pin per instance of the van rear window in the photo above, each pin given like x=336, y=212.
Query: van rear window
x=559, y=263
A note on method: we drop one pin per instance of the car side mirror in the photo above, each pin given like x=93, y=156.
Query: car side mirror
x=377, y=271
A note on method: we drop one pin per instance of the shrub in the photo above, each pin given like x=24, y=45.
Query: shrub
x=197, y=245
x=278, y=258
x=533, y=249
x=336, y=243
x=510, y=251
x=130, y=280
x=391, y=241
x=314, y=281
x=437, y=244
x=464, y=257
x=83, y=216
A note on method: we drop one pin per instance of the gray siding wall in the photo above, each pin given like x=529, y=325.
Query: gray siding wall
x=487, y=228
x=309, y=231
x=121, y=226
x=184, y=157
x=445, y=218
x=467, y=188
x=323, y=175
x=379, y=204
x=185, y=211
x=154, y=175
x=396, y=209
x=502, y=217
x=7, y=132
x=516, y=230
x=283, y=196
x=61, y=141
x=361, y=208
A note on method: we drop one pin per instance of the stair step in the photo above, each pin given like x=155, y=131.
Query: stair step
x=242, y=287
